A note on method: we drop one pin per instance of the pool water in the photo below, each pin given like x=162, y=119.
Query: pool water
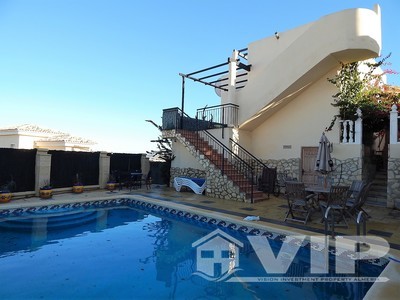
x=131, y=253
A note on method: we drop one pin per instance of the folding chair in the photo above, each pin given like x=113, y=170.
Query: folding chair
x=299, y=202
x=363, y=198
x=354, y=196
x=337, y=202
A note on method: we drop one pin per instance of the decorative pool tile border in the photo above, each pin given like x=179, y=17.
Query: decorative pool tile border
x=190, y=217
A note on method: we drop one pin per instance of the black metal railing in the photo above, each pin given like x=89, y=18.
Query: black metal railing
x=265, y=176
x=174, y=118
x=240, y=165
x=245, y=155
x=220, y=114
x=237, y=169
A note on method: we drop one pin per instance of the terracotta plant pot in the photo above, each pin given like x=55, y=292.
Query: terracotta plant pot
x=77, y=189
x=46, y=194
x=110, y=186
x=5, y=197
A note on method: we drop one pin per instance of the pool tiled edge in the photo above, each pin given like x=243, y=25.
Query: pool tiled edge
x=167, y=208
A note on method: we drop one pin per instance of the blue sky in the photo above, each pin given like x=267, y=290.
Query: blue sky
x=98, y=69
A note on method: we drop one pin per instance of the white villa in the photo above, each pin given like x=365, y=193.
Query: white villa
x=34, y=137
x=275, y=104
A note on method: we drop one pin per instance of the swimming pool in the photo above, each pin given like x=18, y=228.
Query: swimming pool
x=131, y=249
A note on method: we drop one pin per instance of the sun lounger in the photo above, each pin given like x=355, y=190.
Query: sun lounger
x=197, y=185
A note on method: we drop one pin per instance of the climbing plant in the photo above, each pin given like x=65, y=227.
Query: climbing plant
x=361, y=85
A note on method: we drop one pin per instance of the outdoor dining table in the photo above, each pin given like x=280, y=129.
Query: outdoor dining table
x=321, y=192
x=318, y=189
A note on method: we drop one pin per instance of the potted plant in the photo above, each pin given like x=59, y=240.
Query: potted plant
x=77, y=187
x=111, y=183
x=46, y=191
x=6, y=191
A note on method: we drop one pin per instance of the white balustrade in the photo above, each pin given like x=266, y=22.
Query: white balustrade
x=352, y=130
x=394, y=117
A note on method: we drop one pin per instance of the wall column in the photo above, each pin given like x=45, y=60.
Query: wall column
x=104, y=169
x=42, y=170
x=145, y=164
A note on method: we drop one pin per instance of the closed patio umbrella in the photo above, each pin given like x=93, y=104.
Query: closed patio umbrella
x=324, y=163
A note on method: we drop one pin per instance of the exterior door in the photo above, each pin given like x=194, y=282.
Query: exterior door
x=308, y=158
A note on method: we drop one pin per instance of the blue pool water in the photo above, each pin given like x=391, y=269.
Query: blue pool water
x=130, y=250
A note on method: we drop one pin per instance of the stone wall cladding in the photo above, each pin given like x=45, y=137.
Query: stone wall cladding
x=292, y=166
x=345, y=171
x=218, y=185
x=393, y=183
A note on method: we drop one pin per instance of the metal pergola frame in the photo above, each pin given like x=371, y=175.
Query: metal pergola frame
x=214, y=83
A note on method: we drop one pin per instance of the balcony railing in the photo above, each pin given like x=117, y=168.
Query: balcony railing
x=206, y=118
x=223, y=114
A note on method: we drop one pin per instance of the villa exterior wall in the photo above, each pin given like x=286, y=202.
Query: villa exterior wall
x=285, y=104
x=349, y=35
x=183, y=159
x=300, y=123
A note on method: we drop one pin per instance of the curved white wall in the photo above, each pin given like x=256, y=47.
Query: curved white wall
x=282, y=68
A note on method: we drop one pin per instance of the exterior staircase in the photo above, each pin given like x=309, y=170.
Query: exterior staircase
x=378, y=192
x=236, y=175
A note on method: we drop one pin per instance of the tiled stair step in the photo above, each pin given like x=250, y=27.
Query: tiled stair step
x=217, y=159
x=258, y=197
x=377, y=193
x=374, y=201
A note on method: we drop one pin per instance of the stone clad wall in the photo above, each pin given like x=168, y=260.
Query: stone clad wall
x=218, y=185
x=345, y=170
x=292, y=166
x=393, y=183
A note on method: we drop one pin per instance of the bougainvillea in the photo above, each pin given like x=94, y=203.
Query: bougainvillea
x=361, y=85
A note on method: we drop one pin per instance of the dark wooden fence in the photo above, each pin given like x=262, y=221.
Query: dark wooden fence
x=66, y=165
x=18, y=165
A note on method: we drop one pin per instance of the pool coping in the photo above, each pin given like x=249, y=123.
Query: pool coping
x=383, y=290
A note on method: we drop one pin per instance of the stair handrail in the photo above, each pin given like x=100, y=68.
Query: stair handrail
x=247, y=153
x=244, y=168
x=241, y=166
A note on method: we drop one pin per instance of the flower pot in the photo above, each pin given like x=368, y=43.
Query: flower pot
x=77, y=189
x=46, y=194
x=5, y=197
x=110, y=186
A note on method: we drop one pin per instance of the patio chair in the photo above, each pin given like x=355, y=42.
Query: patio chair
x=280, y=182
x=337, y=202
x=353, y=196
x=266, y=183
x=299, y=202
x=363, y=198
